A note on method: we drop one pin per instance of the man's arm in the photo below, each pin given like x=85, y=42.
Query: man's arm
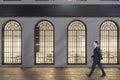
x=99, y=52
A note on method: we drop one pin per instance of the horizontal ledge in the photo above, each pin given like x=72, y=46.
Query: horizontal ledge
x=59, y=10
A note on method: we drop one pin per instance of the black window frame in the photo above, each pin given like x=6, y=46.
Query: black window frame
x=117, y=26
x=53, y=43
x=4, y=24
x=85, y=43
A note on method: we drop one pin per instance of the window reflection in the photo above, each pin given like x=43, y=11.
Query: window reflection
x=109, y=42
x=44, y=32
x=12, y=43
x=76, y=43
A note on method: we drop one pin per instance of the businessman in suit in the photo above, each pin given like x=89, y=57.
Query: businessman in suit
x=97, y=57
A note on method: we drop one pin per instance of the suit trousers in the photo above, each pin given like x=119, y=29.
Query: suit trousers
x=94, y=65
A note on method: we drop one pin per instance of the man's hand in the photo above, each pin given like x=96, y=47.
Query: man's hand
x=92, y=56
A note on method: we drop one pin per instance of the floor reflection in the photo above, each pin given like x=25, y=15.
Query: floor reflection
x=56, y=74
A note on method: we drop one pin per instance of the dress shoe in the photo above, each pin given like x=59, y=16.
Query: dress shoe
x=88, y=75
x=103, y=75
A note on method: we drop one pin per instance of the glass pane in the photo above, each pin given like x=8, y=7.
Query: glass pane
x=12, y=43
x=45, y=43
x=109, y=41
x=76, y=43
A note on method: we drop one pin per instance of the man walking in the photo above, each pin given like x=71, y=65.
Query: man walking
x=97, y=57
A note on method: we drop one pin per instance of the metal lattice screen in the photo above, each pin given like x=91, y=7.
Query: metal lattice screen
x=109, y=42
x=76, y=43
x=44, y=43
x=12, y=43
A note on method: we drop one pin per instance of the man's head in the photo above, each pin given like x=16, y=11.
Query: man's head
x=95, y=43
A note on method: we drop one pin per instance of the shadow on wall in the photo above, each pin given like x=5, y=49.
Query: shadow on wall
x=27, y=49
x=60, y=48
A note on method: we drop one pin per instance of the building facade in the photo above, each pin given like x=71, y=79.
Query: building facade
x=58, y=33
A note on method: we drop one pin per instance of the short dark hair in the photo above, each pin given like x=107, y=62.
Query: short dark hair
x=96, y=42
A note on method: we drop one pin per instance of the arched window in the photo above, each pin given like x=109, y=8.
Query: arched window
x=44, y=43
x=76, y=42
x=11, y=43
x=109, y=42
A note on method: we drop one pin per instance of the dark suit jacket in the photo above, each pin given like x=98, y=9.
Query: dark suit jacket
x=97, y=54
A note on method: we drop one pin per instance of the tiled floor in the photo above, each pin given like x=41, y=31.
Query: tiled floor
x=56, y=74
